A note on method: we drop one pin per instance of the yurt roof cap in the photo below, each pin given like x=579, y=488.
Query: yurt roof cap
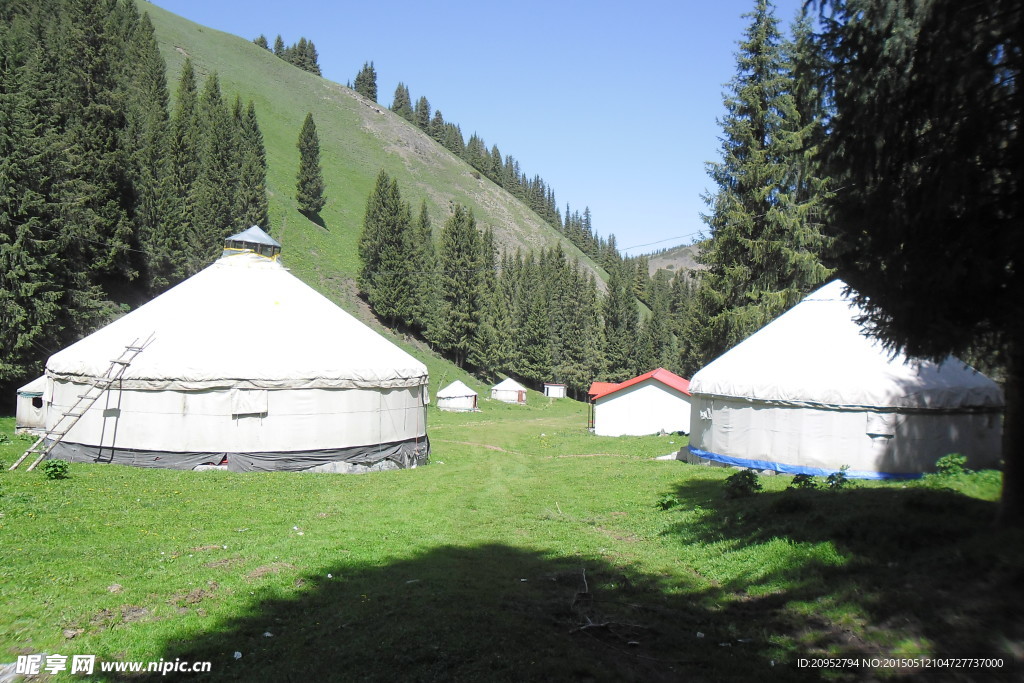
x=252, y=239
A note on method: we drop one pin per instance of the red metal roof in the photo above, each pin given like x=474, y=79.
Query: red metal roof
x=669, y=379
x=599, y=388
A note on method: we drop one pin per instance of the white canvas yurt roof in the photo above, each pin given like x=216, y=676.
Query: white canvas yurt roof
x=34, y=388
x=817, y=354
x=811, y=393
x=508, y=384
x=456, y=390
x=244, y=321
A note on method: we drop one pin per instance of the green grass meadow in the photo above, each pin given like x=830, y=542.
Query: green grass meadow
x=528, y=549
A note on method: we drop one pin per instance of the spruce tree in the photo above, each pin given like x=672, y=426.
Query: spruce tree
x=251, y=200
x=309, y=189
x=460, y=306
x=184, y=151
x=402, y=103
x=30, y=295
x=423, y=267
x=386, y=251
x=279, y=48
x=217, y=182
x=366, y=82
x=766, y=244
x=926, y=144
x=621, y=323
x=422, y=114
x=261, y=40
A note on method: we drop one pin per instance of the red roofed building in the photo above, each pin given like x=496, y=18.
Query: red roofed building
x=656, y=401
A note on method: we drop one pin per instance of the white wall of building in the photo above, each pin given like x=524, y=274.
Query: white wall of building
x=645, y=408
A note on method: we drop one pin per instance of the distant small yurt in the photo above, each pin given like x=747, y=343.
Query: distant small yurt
x=247, y=364
x=30, y=415
x=552, y=390
x=457, y=397
x=810, y=393
x=655, y=402
x=509, y=391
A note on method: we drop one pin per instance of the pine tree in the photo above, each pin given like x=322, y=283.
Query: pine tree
x=422, y=114
x=30, y=295
x=766, y=246
x=279, y=48
x=402, y=103
x=261, y=40
x=216, y=184
x=926, y=144
x=309, y=191
x=423, y=267
x=366, y=82
x=252, y=206
x=147, y=138
x=386, y=251
x=184, y=151
x=459, y=310
x=621, y=322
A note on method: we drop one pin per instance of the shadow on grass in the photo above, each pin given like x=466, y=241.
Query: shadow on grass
x=491, y=613
x=315, y=218
x=869, y=572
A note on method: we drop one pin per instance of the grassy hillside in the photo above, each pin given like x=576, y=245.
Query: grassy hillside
x=358, y=138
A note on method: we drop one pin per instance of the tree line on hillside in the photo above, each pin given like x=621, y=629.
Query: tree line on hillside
x=302, y=54
x=108, y=195
x=503, y=170
x=536, y=315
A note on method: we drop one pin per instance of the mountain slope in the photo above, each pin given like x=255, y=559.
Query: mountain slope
x=358, y=138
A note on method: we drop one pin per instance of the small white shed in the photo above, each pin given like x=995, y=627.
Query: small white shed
x=31, y=409
x=457, y=397
x=552, y=390
x=657, y=401
x=509, y=391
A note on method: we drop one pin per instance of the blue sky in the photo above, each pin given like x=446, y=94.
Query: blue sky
x=613, y=104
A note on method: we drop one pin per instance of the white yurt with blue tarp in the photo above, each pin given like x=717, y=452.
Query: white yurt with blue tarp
x=247, y=365
x=811, y=392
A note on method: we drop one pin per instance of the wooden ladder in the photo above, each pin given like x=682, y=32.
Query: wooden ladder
x=97, y=387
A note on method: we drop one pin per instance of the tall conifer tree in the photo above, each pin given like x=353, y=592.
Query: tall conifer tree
x=766, y=244
x=386, y=251
x=459, y=310
x=309, y=191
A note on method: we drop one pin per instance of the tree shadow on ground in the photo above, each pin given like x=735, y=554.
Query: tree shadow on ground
x=869, y=572
x=489, y=613
x=315, y=218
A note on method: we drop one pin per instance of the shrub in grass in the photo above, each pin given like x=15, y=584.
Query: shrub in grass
x=802, y=482
x=742, y=484
x=838, y=480
x=668, y=501
x=951, y=465
x=56, y=469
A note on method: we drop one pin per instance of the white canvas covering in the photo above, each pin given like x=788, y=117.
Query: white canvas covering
x=811, y=392
x=30, y=415
x=457, y=397
x=509, y=391
x=246, y=359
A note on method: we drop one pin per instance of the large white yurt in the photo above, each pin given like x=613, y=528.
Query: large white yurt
x=810, y=393
x=509, y=391
x=457, y=397
x=30, y=412
x=246, y=363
